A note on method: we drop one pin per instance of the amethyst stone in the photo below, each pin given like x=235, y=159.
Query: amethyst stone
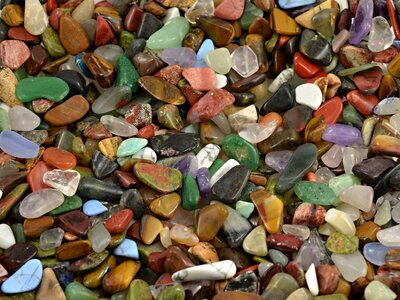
x=362, y=21
x=341, y=134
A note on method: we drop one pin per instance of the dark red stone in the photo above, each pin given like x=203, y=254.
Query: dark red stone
x=127, y=179
x=104, y=33
x=303, y=67
x=156, y=261
x=20, y=33
x=36, y=60
x=368, y=81
x=147, y=132
x=15, y=256
x=51, y=5
x=284, y=242
x=176, y=260
x=75, y=222
x=119, y=221
x=133, y=18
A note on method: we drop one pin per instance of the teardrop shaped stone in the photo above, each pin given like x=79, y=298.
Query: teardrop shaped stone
x=8, y=83
x=35, y=18
x=72, y=35
x=50, y=286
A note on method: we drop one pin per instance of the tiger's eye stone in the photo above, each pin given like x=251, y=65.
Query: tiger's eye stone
x=162, y=90
x=221, y=32
x=102, y=70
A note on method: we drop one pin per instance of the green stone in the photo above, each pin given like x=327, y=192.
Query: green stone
x=250, y=13
x=18, y=231
x=139, y=289
x=50, y=262
x=315, y=192
x=170, y=35
x=125, y=39
x=219, y=60
x=353, y=70
x=40, y=252
x=4, y=120
x=83, y=171
x=244, y=152
x=51, y=88
x=77, y=291
x=127, y=74
x=80, y=151
x=176, y=292
x=21, y=73
x=52, y=43
x=190, y=193
x=130, y=146
x=271, y=43
x=218, y=163
x=168, y=116
x=339, y=183
x=247, y=190
x=70, y=203
x=378, y=290
x=351, y=115
x=23, y=296
x=245, y=209
x=271, y=183
x=342, y=243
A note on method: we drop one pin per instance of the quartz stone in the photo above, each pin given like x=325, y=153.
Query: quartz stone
x=51, y=238
x=381, y=36
x=35, y=18
x=65, y=181
x=118, y=126
x=38, y=203
x=340, y=221
x=359, y=196
x=244, y=61
x=182, y=56
x=388, y=106
x=99, y=237
x=351, y=266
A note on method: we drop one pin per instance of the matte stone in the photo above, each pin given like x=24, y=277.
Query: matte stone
x=371, y=170
x=72, y=35
x=93, y=188
x=174, y=144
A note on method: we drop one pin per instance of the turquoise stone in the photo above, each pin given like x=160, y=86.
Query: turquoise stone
x=51, y=88
x=245, y=209
x=315, y=192
x=241, y=150
x=27, y=278
x=170, y=35
x=131, y=146
x=127, y=74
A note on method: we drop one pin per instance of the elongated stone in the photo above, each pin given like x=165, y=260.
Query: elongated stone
x=162, y=90
x=92, y=188
x=170, y=35
x=215, y=271
x=35, y=18
x=362, y=21
x=219, y=31
x=72, y=35
x=315, y=193
x=41, y=202
x=174, y=144
x=51, y=88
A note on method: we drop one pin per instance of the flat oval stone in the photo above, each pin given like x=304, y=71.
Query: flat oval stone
x=378, y=289
x=131, y=146
x=51, y=88
x=27, y=278
x=342, y=243
x=388, y=106
x=241, y=150
x=93, y=188
x=73, y=250
x=299, y=164
x=119, y=278
x=309, y=94
x=315, y=193
x=22, y=119
x=13, y=53
x=160, y=178
x=93, y=208
x=174, y=144
x=16, y=145
x=38, y=203
x=68, y=112
x=59, y=158
x=162, y=90
x=341, y=134
x=15, y=256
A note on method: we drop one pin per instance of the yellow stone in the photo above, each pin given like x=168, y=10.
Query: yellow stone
x=205, y=252
x=119, y=278
x=210, y=220
x=93, y=279
x=305, y=18
x=283, y=24
x=394, y=66
x=166, y=205
x=150, y=227
x=270, y=209
x=109, y=147
x=12, y=15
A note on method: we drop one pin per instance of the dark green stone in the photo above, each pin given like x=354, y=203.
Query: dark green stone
x=244, y=152
x=127, y=74
x=190, y=193
x=70, y=203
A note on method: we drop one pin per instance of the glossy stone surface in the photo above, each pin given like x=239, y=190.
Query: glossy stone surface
x=27, y=278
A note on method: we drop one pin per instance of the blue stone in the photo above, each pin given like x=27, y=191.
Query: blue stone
x=82, y=66
x=16, y=145
x=375, y=253
x=93, y=208
x=26, y=279
x=64, y=276
x=205, y=47
x=288, y=4
x=127, y=248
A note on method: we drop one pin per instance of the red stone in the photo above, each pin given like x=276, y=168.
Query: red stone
x=59, y=158
x=97, y=132
x=294, y=269
x=35, y=176
x=164, y=279
x=230, y=9
x=13, y=53
x=191, y=94
x=156, y=261
x=119, y=221
x=328, y=279
x=385, y=56
x=201, y=79
x=139, y=114
x=127, y=179
x=331, y=110
x=284, y=242
x=54, y=18
x=75, y=222
x=51, y=5
x=368, y=81
x=133, y=18
x=303, y=66
x=147, y=132
x=363, y=103
x=20, y=33
x=309, y=214
x=134, y=231
x=172, y=74
x=210, y=105
x=104, y=33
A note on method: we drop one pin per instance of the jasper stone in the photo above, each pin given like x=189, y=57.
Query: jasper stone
x=174, y=144
x=160, y=178
x=75, y=222
x=162, y=90
x=13, y=53
x=342, y=243
x=32, y=88
x=68, y=112
x=119, y=221
x=72, y=35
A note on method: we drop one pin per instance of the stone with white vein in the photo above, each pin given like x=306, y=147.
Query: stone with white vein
x=207, y=155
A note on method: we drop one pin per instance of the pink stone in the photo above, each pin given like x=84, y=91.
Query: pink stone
x=3, y=271
x=13, y=53
x=201, y=79
x=230, y=9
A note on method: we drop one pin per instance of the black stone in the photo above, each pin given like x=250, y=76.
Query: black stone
x=64, y=276
x=297, y=117
x=174, y=144
x=279, y=102
x=93, y=188
x=384, y=185
x=133, y=199
x=75, y=81
x=243, y=85
x=148, y=25
x=241, y=259
x=371, y=170
x=244, y=99
x=102, y=166
x=245, y=282
x=395, y=180
x=315, y=47
x=291, y=47
x=136, y=46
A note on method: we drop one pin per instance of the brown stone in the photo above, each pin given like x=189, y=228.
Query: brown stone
x=73, y=250
x=35, y=227
x=49, y=286
x=328, y=279
x=72, y=35
x=67, y=112
x=119, y=278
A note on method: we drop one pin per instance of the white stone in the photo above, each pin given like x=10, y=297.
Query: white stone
x=99, y=237
x=221, y=82
x=312, y=281
x=395, y=120
x=22, y=119
x=376, y=289
x=247, y=115
x=383, y=214
x=207, y=155
x=35, y=18
x=353, y=156
x=146, y=153
x=333, y=157
x=65, y=181
x=301, y=231
x=83, y=11
x=7, y=238
x=389, y=237
x=284, y=76
x=39, y=203
x=172, y=12
x=340, y=221
x=381, y=35
x=221, y=270
x=353, y=212
x=309, y=94
x=360, y=196
x=229, y=164
x=258, y=132
x=118, y=126
x=351, y=266
x=244, y=61
x=255, y=243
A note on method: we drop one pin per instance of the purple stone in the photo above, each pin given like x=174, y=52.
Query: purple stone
x=203, y=181
x=341, y=134
x=188, y=165
x=380, y=8
x=185, y=57
x=278, y=160
x=362, y=21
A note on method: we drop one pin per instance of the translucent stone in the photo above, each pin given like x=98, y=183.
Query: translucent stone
x=380, y=36
x=307, y=255
x=118, y=126
x=207, y=155
x=255, y=133
x=389, y=237
x=65, y=181
x=244, y=61
x=99, y=237
x=301, y=231
x=396, y=213
x=244, y=116
x=172, y=12
x=360, y=196
x=353, y=212
x=353, y=156
x=183, y=235
x=221, y=81
x=395, y=120
x=35, y=18
x=183, y=56
x=22, y=119
x=200, y=8
x=340, y=39
x=351, y=266
x=51, y=238
x=39, y=203
x=109, y=52
x=324, y=175
x=165, y=237
x=378, y=290
x=312, y=281
x=388, y=106
x=219, y=60
x=108, y=100
x=333, y=157
x=222, y=122
x=383, y=214
x=83, y=11
x=340, y=221
x=278, y=160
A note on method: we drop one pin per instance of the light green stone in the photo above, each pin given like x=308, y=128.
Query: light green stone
x=139, y=289
x=51, y=88
x=52, y=42
x=378, y=290
x=130, y=146
x=76, y=291
x=315, y=193
x=383, y=214
x=339, y=183
x=245, y=209
x=241, y=150
x=190, y=193
x=70, y=203
x=271, y=43
x=4, y=120
x=170, y=35
x=40, y=252
x=50, y=262
x=219, y=60
x=342, y=243
x=126, y=74
x=176, y=292
x=250, y=13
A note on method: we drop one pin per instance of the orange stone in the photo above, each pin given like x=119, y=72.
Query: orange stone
x=59, y=158
x=367, y=231
x=166, y=205
x=35, y=176
x=150, y=227
x=67, y=112
x=270, y=209
x=35, y=227
x=72, y=35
